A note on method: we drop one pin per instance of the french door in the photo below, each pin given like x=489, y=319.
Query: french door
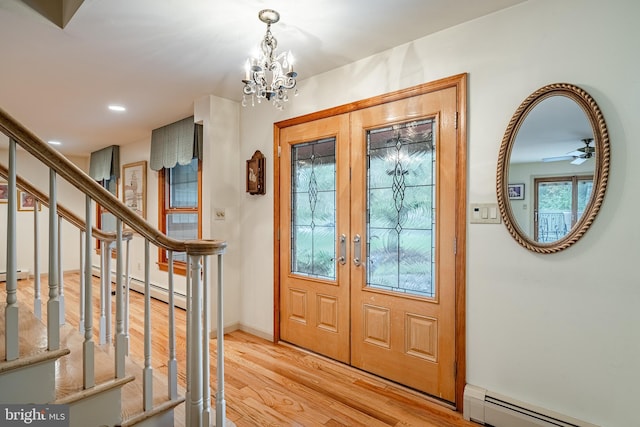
x=368, y=204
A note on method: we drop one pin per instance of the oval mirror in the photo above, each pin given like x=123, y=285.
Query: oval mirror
x=553, y=168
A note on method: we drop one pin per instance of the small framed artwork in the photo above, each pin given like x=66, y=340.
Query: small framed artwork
x=26, y=202
x=134, y=194
x=516, y=191
x=4, y=192
x=255, y=173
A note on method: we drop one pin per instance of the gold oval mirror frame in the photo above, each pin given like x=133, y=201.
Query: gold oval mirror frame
x=601, y=156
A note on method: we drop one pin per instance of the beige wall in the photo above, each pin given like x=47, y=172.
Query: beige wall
x=559, y=331
x=32, y=170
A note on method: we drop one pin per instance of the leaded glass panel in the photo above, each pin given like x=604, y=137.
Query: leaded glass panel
x=400, y=208
x=313, y=208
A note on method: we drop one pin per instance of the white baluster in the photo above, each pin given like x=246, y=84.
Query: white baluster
x=102, y=339
x=206, y=359
x=107, y=293
x=187, y=362
x=53, y=304
x=147, y=373
x=221, y=406
x=194, y=406
x=126, y=300
x=120, y=337
x=82, y=283
x=37, y=301
x=60, y=275
x=88, y=345
x=11, y=310
x=172, y=363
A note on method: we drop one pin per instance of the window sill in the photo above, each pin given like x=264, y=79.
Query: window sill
x=179, y=268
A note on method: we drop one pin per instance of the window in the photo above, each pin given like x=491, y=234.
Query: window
x=180, y=208
x=559, y=204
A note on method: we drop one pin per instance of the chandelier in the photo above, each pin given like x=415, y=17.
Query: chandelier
x=268, y=75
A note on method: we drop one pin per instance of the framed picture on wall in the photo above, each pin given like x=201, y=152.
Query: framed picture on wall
x=26, y=202
x=4, y=191
x=134, y=194
x=516, y=191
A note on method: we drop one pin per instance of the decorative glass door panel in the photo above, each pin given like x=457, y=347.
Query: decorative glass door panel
x=313, y=206
x=400, y=206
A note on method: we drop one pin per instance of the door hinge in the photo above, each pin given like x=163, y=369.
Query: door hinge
x=280, y=150
x=278, y=234
x=455, y=246
x=456, y=120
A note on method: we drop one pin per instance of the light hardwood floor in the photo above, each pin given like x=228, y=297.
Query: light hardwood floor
x=269, y=384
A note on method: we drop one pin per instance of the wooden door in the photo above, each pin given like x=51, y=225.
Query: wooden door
x=367, y=239
x=314, y=209
x=403, y=200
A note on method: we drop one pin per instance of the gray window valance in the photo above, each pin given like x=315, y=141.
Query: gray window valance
x=177, y=143
x=105, y=163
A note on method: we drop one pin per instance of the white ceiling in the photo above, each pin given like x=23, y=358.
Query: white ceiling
x=157, y=56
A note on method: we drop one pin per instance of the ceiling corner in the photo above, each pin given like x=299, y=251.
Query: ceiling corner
x=58, y=12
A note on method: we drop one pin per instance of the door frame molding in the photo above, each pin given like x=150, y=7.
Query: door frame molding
x=460, y=83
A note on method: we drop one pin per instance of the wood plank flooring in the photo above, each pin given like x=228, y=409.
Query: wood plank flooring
x=269, y=384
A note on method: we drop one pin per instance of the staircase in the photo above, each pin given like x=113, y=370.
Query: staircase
x=83, y=373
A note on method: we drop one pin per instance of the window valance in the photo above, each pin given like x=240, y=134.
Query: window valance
x=177, y=143
x=105, y=163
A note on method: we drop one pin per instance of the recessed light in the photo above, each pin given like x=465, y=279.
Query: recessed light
x=55, y=142
x=118, y=108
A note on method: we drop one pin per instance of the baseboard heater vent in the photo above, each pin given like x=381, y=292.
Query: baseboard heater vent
x=492, y=409
x=20, y=275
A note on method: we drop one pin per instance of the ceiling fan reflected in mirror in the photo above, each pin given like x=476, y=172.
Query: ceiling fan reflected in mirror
x=577, y=157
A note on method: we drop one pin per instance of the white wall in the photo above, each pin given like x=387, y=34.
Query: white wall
x=31, y=169
x=220, y=189
x=559, y=331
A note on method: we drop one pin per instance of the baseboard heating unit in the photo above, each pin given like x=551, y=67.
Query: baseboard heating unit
x=492, y=409
x=20, y=275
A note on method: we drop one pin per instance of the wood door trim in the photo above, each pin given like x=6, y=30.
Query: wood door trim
x=458, y=81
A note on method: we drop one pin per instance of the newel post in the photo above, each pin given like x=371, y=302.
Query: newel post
x=198, y=406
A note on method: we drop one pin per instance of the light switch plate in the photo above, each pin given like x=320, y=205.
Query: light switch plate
x=484, y=213
x=219, y=214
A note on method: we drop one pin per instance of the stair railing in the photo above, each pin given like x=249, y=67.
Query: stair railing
x=198, y=252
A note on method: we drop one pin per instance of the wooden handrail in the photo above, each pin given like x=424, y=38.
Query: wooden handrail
x=73, y=219
x=79, y=179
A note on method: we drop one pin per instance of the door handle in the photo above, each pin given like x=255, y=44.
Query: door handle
x=356, y=250
x=343, y=250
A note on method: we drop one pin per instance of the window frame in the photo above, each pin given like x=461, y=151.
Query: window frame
x=574, y=180
x=179, y=267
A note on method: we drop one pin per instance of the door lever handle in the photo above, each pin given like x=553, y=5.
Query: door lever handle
x=356, y=250
x=343, y=250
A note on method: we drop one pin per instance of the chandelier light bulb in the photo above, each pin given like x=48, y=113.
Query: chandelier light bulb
x=269, y=75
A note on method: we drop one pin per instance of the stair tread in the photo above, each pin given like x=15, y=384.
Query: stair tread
x=33, y=332
x=69, y=372
x=132, y=393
